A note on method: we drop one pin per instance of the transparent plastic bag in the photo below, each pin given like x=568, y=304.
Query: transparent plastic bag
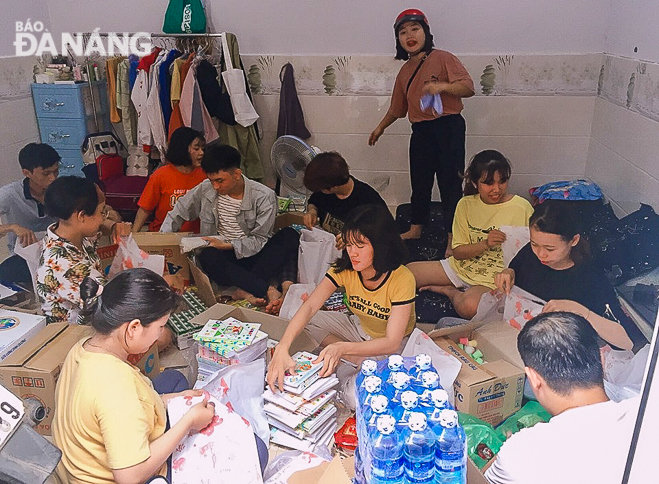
x=623, y=372
x=285, y=465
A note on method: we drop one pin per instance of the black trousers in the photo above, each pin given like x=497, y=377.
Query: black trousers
x=437, y=150
x=254, y=274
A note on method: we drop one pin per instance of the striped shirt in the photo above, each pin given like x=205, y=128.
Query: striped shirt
x=227, y=210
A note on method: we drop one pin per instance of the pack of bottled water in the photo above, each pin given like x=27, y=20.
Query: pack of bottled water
x=408, y=431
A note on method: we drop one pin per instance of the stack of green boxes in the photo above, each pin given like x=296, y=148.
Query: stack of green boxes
x=180, y=323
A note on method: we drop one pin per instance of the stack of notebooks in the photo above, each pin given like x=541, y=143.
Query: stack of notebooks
x=303, y=416
x=226, y=342
x=179, y=323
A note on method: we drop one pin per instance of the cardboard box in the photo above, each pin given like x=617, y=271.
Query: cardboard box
x=287, y=219
x=16, y=329
x=492, y=391
x=167, y=244
x=148, y=363
x=33, y=369
x=270, y=324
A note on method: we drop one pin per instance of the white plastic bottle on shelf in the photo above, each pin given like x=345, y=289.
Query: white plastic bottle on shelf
x=450, y=450
x=419, y=450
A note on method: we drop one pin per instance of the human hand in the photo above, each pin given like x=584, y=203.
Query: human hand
x=339, y=243
x=567, y=306
x=330, y=356
x=200, y=415
x=434, y=87
x=281, y=362
x=25, y=236
x=495, y=237
x=375, y=135
x=310, y=219
x=218, y=244
x=505, y=280
x=119, y=230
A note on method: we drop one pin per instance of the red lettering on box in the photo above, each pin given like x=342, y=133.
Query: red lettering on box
x=17, y=381
x=28, y=382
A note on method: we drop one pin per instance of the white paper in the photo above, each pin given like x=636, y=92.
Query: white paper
x=224, y=452
x=6, y=291
x=516, y=238
x=189, y=244
x=521, y=306
x=293, y=300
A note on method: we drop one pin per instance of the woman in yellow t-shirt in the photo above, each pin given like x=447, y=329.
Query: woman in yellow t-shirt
x=109, y=421
x=380, y=292
x=476, y=245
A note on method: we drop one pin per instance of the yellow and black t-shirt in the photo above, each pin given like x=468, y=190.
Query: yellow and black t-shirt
x=373, y=307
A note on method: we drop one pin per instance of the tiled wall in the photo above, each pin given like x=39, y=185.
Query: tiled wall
x=624, y=151
x=18, y=123
x=536, y=109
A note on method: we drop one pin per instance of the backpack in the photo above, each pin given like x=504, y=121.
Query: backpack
x=184, y=17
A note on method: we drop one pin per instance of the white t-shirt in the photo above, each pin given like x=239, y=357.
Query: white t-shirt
x=583, y=444
x=228, y=209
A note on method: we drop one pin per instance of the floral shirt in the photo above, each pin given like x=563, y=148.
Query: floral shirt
x=62, y=267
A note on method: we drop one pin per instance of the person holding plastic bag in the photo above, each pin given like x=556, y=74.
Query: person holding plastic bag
x=380, y=291
x=437, y=145
x=69, y=248
x=556, y=267
x=110, y=420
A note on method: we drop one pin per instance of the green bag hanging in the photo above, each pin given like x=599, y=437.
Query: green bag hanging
x=184, y=17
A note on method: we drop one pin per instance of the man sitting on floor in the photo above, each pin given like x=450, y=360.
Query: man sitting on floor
x=335, y=192
x=588, y=437
x=242, y=212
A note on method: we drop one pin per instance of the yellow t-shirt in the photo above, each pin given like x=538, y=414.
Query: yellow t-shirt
x=472, y=222
x=373, y=307
x=106, y=414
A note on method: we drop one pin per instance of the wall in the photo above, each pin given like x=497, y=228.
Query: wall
x=632, y=24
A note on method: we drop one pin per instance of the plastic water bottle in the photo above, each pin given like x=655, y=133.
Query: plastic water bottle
x=419, y=450
x=369, y=367
x=409, y=401
x=372, y=387
x=427, y=382
x=379, y=406
x=423, y=362
x=394, y=364
x=399, y=381
x=386, y=448
x=359, y=467
x=440, y=402
x=450, y=450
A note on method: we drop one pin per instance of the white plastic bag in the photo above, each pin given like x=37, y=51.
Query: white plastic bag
x=623, y=372
x=31, y=254
x=285, y=465
x=521, y=306
x=316, y=253
x=293, y=300
x=129, y=256
x=243, y=110
x=240, y=387
x=138, y=162
x=224, y=451
x=446, y=365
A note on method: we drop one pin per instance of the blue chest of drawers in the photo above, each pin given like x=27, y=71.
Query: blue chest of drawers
x=65, y=114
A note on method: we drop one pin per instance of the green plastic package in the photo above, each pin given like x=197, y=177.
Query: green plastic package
x=483, y=442
x=184, y=17
x=527, y=416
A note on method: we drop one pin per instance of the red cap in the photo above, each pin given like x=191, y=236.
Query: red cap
x=410, y=15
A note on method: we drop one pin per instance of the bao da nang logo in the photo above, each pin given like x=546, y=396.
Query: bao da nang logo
x=33, y=39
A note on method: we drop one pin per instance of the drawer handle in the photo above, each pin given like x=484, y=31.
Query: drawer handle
x=50, y=104
x=53, y=137
x=59, y=104
x=66, y=166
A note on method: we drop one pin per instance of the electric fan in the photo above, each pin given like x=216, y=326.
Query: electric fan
x=290, y=157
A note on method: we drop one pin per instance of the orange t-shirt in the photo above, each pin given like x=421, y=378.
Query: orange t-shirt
x=439, y=66
x=164, y=188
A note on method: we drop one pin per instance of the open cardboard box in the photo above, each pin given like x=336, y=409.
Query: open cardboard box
x=270, y=324
x=492, y=391
x=33, y=369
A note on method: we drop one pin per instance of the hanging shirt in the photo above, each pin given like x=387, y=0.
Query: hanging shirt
x=140, y=94
x=128, y=114
x=154, y=108
x=176, y=120
x=193, y=111
x=164, y=78
x=111, y=70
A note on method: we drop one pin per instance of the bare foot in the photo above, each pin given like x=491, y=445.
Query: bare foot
x=413, y=233
x=251, y=298
x=274, y=301
x=446, y=290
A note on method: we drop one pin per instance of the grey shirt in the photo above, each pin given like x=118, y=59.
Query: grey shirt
x=256, y=218
x=18, y=207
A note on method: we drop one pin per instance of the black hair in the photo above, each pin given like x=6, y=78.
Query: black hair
x=402, y=54
x=375, y=223
x=563, y=348
x=560, y=218
x=68, y=195
x=37, y=155
x=219, y=157
x=180, y=141
x=132, y=294
x=326, y=170
x=486, y=164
